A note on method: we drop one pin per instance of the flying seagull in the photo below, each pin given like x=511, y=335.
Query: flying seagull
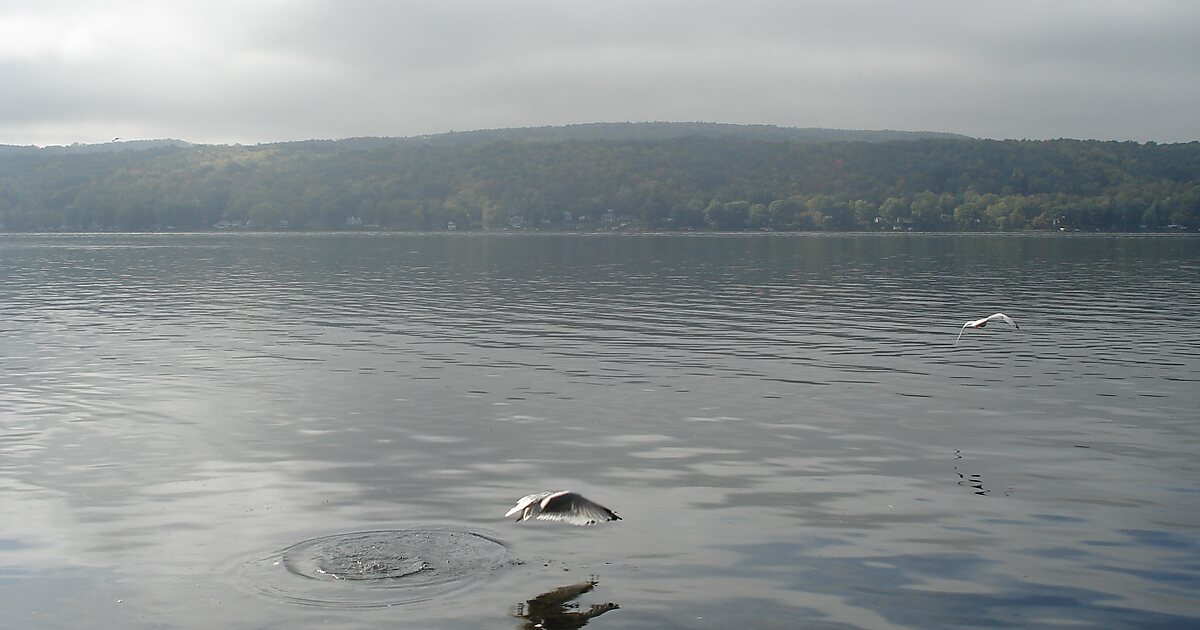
x=562, y=505
x=980, y=323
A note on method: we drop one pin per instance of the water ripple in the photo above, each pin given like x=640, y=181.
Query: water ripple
x=784, y=421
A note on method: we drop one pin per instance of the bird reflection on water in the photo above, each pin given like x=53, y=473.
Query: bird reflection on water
x=556, y=610
x=972, y=480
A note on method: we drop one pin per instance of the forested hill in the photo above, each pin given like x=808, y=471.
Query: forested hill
x=675, y=131
x=610, y=176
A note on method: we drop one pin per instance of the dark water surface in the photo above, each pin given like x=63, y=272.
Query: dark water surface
x=287, y=431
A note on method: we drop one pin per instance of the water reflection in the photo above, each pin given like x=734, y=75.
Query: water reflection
x=558, y=610
x=971, y=480
x=965, y=589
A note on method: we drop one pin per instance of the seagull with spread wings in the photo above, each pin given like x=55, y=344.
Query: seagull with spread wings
x=980, y=323
x=562, y=505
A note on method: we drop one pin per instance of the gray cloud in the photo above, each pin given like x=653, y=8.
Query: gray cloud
x=263, y=70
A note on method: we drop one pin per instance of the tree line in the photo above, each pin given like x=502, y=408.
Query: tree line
x=695, y=182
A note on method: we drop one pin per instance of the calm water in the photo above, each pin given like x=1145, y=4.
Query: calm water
x=189, y=423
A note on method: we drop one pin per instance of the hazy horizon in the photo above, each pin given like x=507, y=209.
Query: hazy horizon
x=261, y=71
x=580, y=124
x=489, y=129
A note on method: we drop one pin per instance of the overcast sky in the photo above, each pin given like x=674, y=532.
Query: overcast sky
x=250, y=71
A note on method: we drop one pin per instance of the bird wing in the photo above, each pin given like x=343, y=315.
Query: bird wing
x=961, y=331
x=527, y=501
x=573, y=508
x=1004, y=318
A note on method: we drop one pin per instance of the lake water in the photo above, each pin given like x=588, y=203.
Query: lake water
x=303, y=430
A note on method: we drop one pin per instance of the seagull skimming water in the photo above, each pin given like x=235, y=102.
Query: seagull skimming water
x=562, y=505
x=980, y=323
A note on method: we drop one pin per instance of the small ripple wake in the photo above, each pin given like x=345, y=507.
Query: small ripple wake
x=377, y=568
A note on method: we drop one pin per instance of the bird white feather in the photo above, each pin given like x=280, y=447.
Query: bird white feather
x=980, y=323
x=561, y=505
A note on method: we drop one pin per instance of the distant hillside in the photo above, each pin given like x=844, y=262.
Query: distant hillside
x=610, y=132
x=609, y=176
x=658, y=131
x=639, y=132
x=104, y=147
